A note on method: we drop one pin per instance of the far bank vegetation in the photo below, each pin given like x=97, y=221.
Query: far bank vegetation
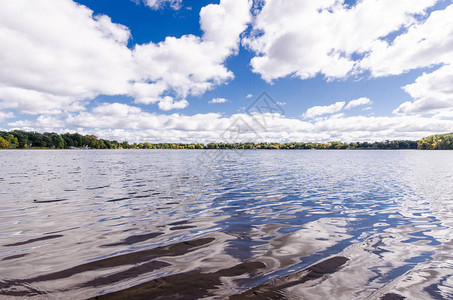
x=24, y=140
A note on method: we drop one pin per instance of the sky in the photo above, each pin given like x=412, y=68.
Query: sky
x=228, y=70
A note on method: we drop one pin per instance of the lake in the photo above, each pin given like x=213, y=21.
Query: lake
x=301, y=224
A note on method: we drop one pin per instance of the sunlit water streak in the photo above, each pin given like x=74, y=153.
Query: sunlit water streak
x=80, y=224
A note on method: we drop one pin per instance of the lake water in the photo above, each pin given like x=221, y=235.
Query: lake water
x=222, y=223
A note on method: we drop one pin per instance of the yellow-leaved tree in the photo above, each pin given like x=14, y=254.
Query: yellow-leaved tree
x=3, y=143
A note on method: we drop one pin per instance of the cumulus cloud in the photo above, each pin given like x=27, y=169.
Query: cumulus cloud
x=249, y=96
x=124, y=122
x=156, y=4
x=323, y=110
x=5, y=115
x=186, y=65
x=41, y=121
x=317, y=111
x=358, y=102
x=191, y=65
x=424, y=44
x=168, y=103
x=58, y=54
x=218, y=100
x=304, y=38
x=432, y=92
x=44, y=55
x=35, y=102
x=444, y=114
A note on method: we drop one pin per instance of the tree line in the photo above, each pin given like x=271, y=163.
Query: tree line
x=437, y=142
x=23, y=139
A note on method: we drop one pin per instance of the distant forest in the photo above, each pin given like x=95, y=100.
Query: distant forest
x=23, y=140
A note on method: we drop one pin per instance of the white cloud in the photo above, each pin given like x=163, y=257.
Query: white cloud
x=156, y=4
x=35, y=102
x=249, y=96
x=444, y=114
x=57, y=54
x=5, y=115
x=304, y=38
x=196, y=128
x=116, y=110
x=218, y=100
x=424, y=44
x=168, y=103
x=191, y=65
x=186, y=65
x=44, y=53
x=432, y=92
x=41, y=121
x=358, y=102
x=123, y=122
x=147, y=93
x=322, y=110
x=317, y=111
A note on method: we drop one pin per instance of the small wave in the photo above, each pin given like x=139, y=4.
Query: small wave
x=49, y=201
x=48, y=237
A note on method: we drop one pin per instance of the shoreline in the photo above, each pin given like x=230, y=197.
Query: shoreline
x=231, y=149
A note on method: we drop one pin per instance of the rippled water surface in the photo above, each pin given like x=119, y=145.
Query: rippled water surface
x=226, y=224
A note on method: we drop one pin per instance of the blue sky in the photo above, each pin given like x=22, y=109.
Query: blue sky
x=176, y=70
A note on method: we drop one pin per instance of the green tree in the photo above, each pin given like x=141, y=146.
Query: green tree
x=3, y=143
x=57, y=141
x=22, y=138
x=12, y=140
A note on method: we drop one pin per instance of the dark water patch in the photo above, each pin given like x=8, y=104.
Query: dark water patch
x=133, y=239
x=188, y=285
x=392, y=296
x=434, y=289
x=182, y=227
x=97, y=187
x=274, y=289
x=142, y=196
x=44, y=238
x=129, y=198
x=49, y=201
x=396, y=272
x=20, y=289
x=162, y=208
x=121, y=260
x=138, y=185
x=425, y=256
x=63, y=230
x=119, y=199
x=127, y=274
x=14, y=256
x=178, y=223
